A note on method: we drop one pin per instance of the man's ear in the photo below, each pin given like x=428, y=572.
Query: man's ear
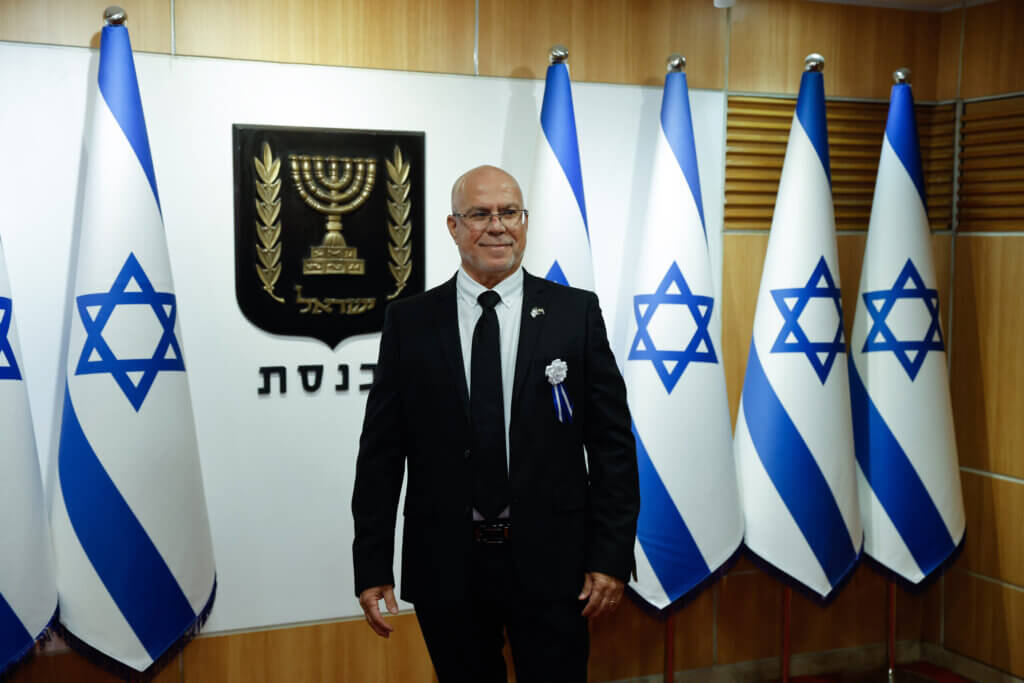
x=451, y=226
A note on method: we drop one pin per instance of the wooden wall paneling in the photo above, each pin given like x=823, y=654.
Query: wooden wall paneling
x=919, y=611
x=993, y=51
x=749, y=617
x=936, y=130
x=942, y=253
x=855, y=132
x=992, y=165
x=78, y=22
x=70, y=667
x=995, y=509
x=412, y=35
x=611, y=41
x=339, y=651
x=630, y=644
x=861, y=45
x=694, y=631
x=985, y=621
x=855, y=616
x=743, y=563
x=987, y=361
x=947, y=52
x=757, y=130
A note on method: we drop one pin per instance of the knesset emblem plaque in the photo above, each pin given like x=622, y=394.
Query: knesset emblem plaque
x=328, y=227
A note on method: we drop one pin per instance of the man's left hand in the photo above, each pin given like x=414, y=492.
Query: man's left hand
x=602, y=592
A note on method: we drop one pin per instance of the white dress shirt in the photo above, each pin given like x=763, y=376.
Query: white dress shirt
x=509, y=311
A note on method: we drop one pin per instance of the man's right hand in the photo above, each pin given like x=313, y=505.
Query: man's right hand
x=369, y=600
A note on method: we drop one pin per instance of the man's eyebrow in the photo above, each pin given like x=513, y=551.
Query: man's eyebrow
x=501, y=207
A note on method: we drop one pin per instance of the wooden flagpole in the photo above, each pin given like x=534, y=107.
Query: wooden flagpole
x=787, y=604
x=670, y=649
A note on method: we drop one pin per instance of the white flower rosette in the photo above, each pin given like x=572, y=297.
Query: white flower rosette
x=556, y=372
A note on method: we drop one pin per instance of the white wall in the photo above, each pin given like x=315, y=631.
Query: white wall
x=278, y=470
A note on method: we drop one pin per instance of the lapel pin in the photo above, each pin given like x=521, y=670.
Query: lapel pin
x=536, y=311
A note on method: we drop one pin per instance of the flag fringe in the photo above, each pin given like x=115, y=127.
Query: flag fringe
x=26, y=655
x=127, y=673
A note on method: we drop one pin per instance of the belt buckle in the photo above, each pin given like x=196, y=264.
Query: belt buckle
x=491, y=532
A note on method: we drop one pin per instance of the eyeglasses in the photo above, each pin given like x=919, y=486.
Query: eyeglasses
x=510, y=218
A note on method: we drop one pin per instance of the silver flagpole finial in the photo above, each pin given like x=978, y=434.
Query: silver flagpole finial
x=814, y=62
x=558, y=54
x=901, y=76
x=676, y=62
x=114, y=16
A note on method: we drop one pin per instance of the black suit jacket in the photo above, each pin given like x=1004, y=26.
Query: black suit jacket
x=570, y=513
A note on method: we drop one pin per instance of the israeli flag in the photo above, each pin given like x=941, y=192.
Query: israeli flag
x=28, y=592
x=558, y=247
x=907, y=474
x=690, y=521
x=134, y=556
x=794, y=434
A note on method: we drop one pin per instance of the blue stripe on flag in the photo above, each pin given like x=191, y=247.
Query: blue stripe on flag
x=677, y=123
x=558, y=121
x=901, y=130
x=15, y=640
x=810, y=110
x=120, y=89
x=128, y=563
x=896, y=483
x=795, y=473
x=664, y=536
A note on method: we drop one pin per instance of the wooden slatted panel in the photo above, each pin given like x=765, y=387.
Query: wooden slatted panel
x=992, y=165
x=936, y=126
x=757, y=132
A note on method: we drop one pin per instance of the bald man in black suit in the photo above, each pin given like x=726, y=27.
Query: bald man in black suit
x=489, y=388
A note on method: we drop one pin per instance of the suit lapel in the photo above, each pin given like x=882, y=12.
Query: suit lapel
x=451, y=345
x=536, y=292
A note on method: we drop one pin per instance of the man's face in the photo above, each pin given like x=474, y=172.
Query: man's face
x=491, y=252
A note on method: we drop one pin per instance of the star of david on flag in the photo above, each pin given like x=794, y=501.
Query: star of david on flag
x=671, y=363
x=794, y=434
x=908, y=477
x=135, y=569
x=97, y=356
x=690, y=522
x=880, y=303
x=793, y=338
x=8, y=363
x=28, y=591
x=559, y=245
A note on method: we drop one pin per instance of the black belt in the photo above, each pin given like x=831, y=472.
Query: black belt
x=491, y=531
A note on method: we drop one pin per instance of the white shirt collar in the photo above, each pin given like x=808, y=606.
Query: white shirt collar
x=509, y=288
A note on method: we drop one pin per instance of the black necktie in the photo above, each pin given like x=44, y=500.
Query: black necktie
x=487, y=407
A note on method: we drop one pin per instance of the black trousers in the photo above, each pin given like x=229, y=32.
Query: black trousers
x=548, y=638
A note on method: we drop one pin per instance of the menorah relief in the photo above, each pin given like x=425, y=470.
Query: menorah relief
x=334, y=186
